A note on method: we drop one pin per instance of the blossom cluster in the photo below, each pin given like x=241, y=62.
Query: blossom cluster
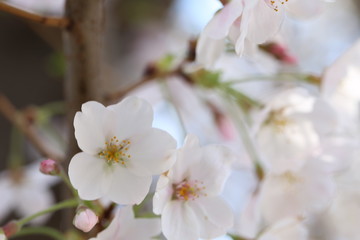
x=278, y=160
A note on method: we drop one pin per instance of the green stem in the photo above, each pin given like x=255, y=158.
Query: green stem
x=239, y=96
x=61, y=205
x=67, y=182
x=286, y=77
x=239, y=116
x=53, y=233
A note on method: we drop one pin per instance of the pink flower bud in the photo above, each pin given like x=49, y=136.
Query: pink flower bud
x=85, y=219
x=49, y=167
x=9, y=229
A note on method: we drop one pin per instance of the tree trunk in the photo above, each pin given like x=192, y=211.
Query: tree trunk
x=84, y=54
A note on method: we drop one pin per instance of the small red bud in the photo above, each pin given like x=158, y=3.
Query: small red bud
x=10, y=229
x=49, y=167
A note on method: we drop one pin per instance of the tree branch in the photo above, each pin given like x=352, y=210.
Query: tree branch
x=48, y=21
x=14, y=116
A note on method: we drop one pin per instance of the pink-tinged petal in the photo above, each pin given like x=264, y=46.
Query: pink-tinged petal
x=220, y=24
x=89, y=127
x=151, y=152
x=213, y=169
x=163, y=194
x=179, y=222
x=127, y=188
x=208, y=50
x=143, y=229
x=189, y=154
x=90, y=175
x=133, y=115
x=244, y=27
x=264, y=27
x=214, y=216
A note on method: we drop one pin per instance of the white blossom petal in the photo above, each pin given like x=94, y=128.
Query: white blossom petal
x=90, y=127
x=127, y=188
x=190, y=150
x=7, y=196
x=151, y=152
x=286, y=229
x=90, y=175
x=208, y=50
x=213, y=169
x=214, y=216
x=179, y=222
x=133, y=116
x=219, y=25
x=264, y=23
x=162, y=195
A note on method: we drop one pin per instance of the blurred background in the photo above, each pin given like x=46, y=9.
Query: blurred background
x=138, y=33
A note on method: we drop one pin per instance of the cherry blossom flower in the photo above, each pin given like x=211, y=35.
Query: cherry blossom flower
x=286, y=229
x=296, y=193
x=247, y=22
x=27, y=183
x=290, y=127
x=345, y=213
x=188, y=195
x=121, y=151
x=340, y=85
x=125, y=227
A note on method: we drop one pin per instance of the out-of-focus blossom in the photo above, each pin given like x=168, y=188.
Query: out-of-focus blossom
x=85, y=219
x=55, y=7
x=188, y=195
x=286, y=129
x=26, y=191
x=121, y=151
x=49, y=167
x=345, y=214
x=286, y=229
x=341, y=84
x=296, y=193
x=2, y=236
x=244, y=22
x=125, y=227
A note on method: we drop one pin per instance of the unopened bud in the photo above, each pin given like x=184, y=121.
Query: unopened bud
x=49, y=167
x=85, y=219
x=9, y=229
x=279, y=52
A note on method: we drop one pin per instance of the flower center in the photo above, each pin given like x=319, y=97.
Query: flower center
x=278, y=120
x=116, y=151
x=188, y=190
x=274, y=4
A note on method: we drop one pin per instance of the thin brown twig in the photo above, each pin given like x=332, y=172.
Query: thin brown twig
x=14, y=116
x=48, y=21
x=148, y=76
